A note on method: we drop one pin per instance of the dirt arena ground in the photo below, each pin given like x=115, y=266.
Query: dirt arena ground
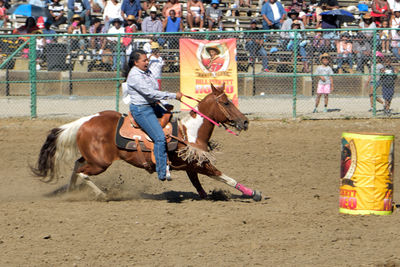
x=149, y=223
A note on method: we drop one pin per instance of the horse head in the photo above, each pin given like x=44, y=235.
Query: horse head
x=222, y=110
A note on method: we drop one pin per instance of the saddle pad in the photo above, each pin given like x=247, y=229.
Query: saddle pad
x=146, y=144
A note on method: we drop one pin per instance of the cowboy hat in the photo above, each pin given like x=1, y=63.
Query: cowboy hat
x=324, y=55
x=131, y=17
x=155, y=45
x=213, y=48
x=37, y=32
x=154, y=9
x=76, y=16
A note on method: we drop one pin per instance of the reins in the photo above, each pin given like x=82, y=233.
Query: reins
x=206, y=117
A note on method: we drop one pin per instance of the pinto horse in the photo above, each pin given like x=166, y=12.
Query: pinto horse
x=90, y=141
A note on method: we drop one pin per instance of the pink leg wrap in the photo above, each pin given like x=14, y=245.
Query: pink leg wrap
x=246, y=191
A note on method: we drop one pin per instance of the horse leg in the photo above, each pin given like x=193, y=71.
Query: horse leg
x=194, y=178
x=214, y=173
x=74, y=175
x=87, y=181
x=92, y=169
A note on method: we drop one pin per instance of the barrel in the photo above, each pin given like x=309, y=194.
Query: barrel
x=366, y=173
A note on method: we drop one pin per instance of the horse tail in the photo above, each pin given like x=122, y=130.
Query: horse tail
x=59, y=149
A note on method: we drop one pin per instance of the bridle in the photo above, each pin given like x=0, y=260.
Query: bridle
x=223, y=110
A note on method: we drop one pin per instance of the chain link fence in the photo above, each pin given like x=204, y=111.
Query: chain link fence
x=278, y=71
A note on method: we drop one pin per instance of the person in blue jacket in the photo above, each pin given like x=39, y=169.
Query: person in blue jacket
x=273, y=14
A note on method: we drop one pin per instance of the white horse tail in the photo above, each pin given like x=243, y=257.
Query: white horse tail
x=60, y=149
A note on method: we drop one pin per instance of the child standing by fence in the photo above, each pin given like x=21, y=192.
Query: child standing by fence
x=325, y=83
x=387, y=81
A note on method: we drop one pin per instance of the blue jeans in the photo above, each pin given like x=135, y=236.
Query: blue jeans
x=145, y=116
x=257, y=50
x=275, y=26
x=396, y=52
x=348, y=59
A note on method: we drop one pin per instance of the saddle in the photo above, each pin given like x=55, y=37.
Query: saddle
x=130, y=136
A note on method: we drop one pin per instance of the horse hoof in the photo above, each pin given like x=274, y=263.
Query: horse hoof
x=257, y=195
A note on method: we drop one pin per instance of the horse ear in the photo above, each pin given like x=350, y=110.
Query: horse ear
x=216, y=90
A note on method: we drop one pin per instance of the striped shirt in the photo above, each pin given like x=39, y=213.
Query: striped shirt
x=56, y=9
x=143, y=88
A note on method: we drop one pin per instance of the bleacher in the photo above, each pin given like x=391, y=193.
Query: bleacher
x=235, y=19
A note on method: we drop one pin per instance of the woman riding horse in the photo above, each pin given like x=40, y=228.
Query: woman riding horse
x=144, y=95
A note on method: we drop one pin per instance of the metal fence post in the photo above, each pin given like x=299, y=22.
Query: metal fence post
x=118, y=72
x=294, y=96
x=32, y=74
x=374, y=74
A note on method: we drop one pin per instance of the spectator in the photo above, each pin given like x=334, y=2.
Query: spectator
x=395, y=23
x=112, y=10
x=153, y=23
x=156, y=63
x=195, y=15
x=255, y=46
x=388, y=81
x=345, y=52
x=172, y=23
x=172, y=5
x=130, y=28
x=57, y=13
x=384, y=36
x=147, y=6
x=273, y=14
x=393, y=6
x=301, y=46
x=97, y=5
x=78, y=42
x=325, y=5
x=379, y=69
x=81, y=8
x=214, y=16
x=287, y=25
x=3, y=14
x=97, y=42
x=131, y=7
x=48, y=30
x=367, y=23
x=396, y=43
x=28, y=28
x=380, y=11
x=243, y=3
x=113, y=40
x=320, y=44
x=325, y=83
x=362, y=50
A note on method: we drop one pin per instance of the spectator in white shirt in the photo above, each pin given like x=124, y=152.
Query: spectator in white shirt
x=112, y=42
x=112, y=11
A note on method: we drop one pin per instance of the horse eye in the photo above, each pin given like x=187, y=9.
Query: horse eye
x=226, y=103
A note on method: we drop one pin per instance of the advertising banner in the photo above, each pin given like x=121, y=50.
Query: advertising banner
x=203, y=62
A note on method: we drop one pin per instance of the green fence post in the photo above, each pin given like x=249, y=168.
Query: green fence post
x=374, y=74
x=32, y=74
x=118, y=72
x=294, y=97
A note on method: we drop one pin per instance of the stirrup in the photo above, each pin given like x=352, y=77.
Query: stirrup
x=168, y=174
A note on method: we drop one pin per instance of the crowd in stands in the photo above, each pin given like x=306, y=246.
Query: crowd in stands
x=130, y=16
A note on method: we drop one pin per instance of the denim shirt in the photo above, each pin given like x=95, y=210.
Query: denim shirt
x=267, y=11
x=143, y=88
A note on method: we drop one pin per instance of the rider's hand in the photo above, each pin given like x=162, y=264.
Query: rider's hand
x=178, y=95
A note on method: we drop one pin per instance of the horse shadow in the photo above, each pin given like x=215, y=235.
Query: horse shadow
x=169, y=196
